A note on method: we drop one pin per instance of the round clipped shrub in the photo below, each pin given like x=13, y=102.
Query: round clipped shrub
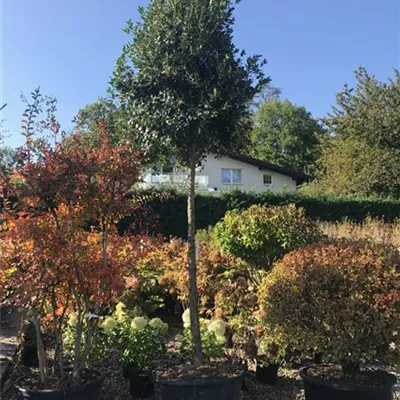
x=340, y=298
x=260, y=235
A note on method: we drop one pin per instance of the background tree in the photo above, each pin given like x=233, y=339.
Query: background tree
x=104, y=115
x=98, y=117
x=267, y=93
x=362, y=156
x=7, y=156
x=7, y=160
x=187, y=88
x=286, y=134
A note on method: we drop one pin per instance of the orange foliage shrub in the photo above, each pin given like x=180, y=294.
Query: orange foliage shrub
x=167, y=264
x=47, y=260
x=341, y=298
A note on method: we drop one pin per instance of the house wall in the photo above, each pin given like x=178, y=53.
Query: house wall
x=252, y=176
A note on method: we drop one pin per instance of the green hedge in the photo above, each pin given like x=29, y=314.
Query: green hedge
x=211, y=208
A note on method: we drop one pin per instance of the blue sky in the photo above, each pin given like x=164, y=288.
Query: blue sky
x=312, y=47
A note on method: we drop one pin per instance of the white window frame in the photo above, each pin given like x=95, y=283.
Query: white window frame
x=231, y=176
x=267, y=184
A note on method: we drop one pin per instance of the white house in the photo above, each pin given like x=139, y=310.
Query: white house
x=230, y=172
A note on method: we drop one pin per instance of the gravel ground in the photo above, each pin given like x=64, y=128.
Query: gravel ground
x=115, y=386
x=9, y=327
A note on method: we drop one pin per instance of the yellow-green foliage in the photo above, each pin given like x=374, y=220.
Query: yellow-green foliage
x=372, y=228
x=340, y=298
x=260, y=235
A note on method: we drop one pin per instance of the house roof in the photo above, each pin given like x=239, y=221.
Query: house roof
x=299, y=177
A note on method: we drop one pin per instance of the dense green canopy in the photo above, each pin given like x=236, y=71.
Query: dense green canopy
x=286, y=134
x=363, y=155
x=182, y=81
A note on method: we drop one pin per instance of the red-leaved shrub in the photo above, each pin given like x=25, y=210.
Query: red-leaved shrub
x=340, y=298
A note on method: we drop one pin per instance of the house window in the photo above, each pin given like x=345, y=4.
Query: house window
x=167, y=169
x=267, y=179
x=231, y=176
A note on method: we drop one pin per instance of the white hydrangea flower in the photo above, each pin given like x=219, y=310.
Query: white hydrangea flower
x=109, y=324
x=72, y=319
x=204, y=321
x=179, y=338
x=120, y=313
x=120, y=306
x=157, y=323
x=217, y=326
x=139, y=323
x=221, y=339
x=186, y=318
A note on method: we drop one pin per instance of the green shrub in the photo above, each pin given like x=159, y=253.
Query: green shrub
x=339, y=298
x=260, y=235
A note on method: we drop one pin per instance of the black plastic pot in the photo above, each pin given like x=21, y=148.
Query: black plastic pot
x=140, y=386
x=87, y=391
x=315, y=389
x=217, y=389
x=267, y=373
x=29, y=356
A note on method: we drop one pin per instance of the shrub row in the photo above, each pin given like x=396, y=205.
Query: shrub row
x=210, y=209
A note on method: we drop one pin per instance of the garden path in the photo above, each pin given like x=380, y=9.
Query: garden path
x=9, y=328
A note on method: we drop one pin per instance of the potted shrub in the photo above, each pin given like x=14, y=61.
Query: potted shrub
x=268, y=360
x=51, y=266
x=340, y=299
x=257, y=237
x=28, y=355
x=266, y=370
x=143, y=344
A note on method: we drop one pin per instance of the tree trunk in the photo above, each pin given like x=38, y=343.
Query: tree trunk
x=78, y=338
x=58, y=350
x=193, y=296
x=40, y=348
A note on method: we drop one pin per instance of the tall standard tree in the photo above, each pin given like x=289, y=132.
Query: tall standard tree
x=187, y=87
